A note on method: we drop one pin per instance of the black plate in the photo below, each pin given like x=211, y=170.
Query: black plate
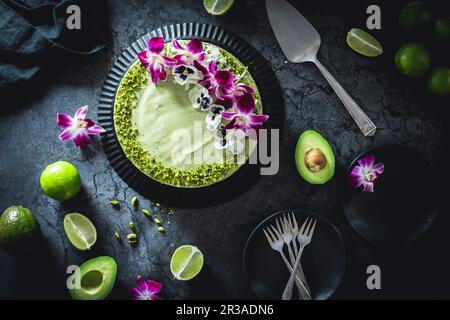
x=323, y=260
x=240, y=181
x=404, y=204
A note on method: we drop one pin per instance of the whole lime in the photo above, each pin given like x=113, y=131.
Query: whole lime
x=439, y=82
x=414, y=16
x=413, y=60
x=16, y=225
x=443, y=29
x=61, y=180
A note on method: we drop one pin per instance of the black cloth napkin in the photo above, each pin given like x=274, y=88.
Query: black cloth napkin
x=33, y=31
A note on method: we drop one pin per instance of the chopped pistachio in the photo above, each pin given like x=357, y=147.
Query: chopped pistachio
x=134, y=201
x=169, y=222
x=157, y=221
x=118, y=236
x=170, y=212
x=132, y=238
x=114, y=203
x=157, y=205
x=146, y=212
x=132, y=226
x=161, y=229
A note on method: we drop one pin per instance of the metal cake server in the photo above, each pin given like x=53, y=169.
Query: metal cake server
x=300, y=42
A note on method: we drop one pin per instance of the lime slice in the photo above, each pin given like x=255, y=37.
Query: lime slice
x=186, y=262
x=218, y=7
x=364, y=43
x=80, y=231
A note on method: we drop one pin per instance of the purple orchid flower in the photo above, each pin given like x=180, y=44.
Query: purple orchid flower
x=146, y=290
x=366, y=173
x=77, y=128
x=237, y=91
x=190, y=53
x=244, y=118
x=217, y=81
x=152, y=59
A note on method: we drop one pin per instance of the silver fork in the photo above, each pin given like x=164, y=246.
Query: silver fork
x=277, y=243
x=304, y=238
x=291, y=228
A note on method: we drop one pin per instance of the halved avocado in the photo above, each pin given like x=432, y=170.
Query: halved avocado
x=314, y=158
x=98, y=276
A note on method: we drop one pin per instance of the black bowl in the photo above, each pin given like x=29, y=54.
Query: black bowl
x=405, y=199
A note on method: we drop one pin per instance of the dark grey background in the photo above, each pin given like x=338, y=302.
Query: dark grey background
x=28, y=139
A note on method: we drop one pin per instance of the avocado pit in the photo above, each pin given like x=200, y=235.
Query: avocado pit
x=315, y=160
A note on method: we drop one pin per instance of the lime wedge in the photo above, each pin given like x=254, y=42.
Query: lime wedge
x=364, y=43
x=218, y=7
x=186, y=262
x=80, y=231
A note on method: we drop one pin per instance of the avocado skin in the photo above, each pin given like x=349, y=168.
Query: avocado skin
x=18, y=229
x=307, y=140
x=108, y=267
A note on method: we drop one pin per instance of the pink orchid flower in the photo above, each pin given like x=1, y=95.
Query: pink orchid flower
x=190, y=53
x=244, y=118
x=152, y=59
x=146, y=290
x=217, y=81
x=366, y=173
x=77, y=128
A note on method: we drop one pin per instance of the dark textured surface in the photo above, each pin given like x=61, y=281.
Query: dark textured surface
x=28, y=136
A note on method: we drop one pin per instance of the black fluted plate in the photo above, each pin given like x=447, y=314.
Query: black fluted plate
x=323, y=260
x=405, y=199
x=231, y=187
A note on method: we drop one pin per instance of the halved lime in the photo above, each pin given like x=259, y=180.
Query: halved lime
x=80, y=231
x=218, y=7
x=186, y=262
x=364, y=43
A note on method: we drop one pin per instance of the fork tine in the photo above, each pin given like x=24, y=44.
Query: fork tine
x=276, y=232
x=289, y=220
x=284, y=222
x=268, y=237
x=311, y=230
x=295, y=225
x=308, y=227
x=274, y=238
x=302, y=229
x=279, y=228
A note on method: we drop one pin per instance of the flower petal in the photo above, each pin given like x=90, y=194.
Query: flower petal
x=378, y=168
x=136, y=294
x=195, y=46
x=155, y=45
x=82, y=140
x=95, y=130
x=367, y=162
x=257, y=118
x=66, y=135
x=245, y=104
x=154, y=286
x=170, y=61
x=356, y=177
x=226, y=103
x=224, y=78
x=368, y=186
x=229, y=115
x=177, y=45
x=81, y=113
x=143, y=57
x=63, y=120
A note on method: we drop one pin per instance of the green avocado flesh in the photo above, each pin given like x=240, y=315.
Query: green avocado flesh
x=314, y=158
x=149, y=120
x=98, y=276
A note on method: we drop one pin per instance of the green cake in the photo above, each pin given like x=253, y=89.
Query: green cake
x=177, y=117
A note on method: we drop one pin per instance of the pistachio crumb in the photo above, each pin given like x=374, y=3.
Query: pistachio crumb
x=132, y=226
x=134, y=201
x=146, y=212
x=157, y=221
x=161, y=229
x=132, y=238
x=114, y=203
x=117, y=235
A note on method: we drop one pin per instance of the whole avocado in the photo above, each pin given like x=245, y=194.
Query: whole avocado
x=17, y=225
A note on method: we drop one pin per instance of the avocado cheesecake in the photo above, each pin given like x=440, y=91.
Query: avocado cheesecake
x=187, y=112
